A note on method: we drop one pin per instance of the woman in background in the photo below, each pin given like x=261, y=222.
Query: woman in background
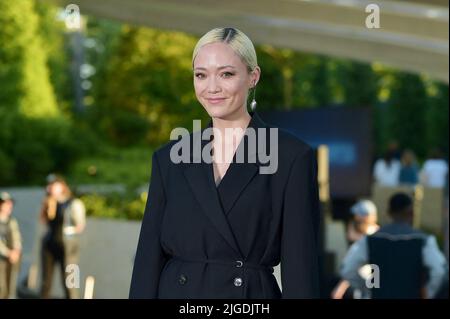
x=409, y=172
x=65, y=219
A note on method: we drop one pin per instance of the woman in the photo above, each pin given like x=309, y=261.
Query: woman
x=216, y=229
x=387, y=170
x=434, y=172
x=409, y=172
x=65, y=218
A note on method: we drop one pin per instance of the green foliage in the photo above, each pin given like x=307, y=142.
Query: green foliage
x=359, y=83
x=129, y=167
x=407, y=108
x=150, y=77
x=269, y=92
x=115, y=205
x=52, y=32
x=291, y=80
x=24, y=78
x=35, y=138
x=125, y=128
x=6, y=169
x=320, y=82
x=437, y=118
x=41, y=146
x=32, y=162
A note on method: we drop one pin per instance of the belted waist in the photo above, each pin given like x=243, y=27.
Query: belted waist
x=236, y=263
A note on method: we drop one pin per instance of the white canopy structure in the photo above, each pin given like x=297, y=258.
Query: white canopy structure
x=413, y=34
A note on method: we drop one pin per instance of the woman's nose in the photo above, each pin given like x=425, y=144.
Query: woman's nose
x=213, y=87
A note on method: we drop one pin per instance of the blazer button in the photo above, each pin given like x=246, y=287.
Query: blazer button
x=182, y=279
x=238, y=281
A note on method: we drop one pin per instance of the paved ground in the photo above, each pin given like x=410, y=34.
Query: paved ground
x=107, y=247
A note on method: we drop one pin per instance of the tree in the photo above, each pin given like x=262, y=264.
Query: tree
x=52, y=32
x=407, y=108
x=146, y=89
x=437, y=119
x=24, y=75
x=359, y=83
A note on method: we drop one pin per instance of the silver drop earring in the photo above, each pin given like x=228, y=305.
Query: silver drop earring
x=253, y=103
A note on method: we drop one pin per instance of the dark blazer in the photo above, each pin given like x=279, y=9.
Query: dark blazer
x=202, y=241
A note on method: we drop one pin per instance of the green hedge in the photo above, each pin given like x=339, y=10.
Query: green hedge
x=32, y=148
x=128, y=167
x=120, y=206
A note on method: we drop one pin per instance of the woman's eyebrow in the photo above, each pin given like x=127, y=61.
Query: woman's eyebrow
x=219, y=68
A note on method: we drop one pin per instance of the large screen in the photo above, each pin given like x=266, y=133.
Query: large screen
x=348, y=134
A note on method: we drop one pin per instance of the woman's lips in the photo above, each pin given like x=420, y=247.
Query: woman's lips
x=216, y=100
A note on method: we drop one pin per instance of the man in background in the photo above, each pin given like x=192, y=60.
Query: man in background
x=409, y=261
x=10, y=247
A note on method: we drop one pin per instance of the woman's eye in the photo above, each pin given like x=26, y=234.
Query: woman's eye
x=199, y=75
x=227, y=74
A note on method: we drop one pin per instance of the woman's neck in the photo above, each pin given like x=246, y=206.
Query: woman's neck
x=225, y=146
x=240, y=120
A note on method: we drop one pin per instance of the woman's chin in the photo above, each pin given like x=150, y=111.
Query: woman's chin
x=218, y=111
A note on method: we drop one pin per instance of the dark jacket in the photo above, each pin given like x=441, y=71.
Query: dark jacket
x=202, y=241
x=397, y=250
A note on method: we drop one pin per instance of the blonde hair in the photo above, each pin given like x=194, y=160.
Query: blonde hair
x=236, y=39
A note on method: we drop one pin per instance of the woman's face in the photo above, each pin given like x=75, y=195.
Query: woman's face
x=56, y=189
x=222, y=80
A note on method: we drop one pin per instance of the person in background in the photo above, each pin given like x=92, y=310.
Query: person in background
x=65, y=218
x=387, y=170
x=364, y=222
x=410, y=264
x=395, y=149
x=10, y=247
x=434, y=170
x=409, y=172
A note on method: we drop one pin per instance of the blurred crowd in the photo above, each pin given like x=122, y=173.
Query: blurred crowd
x=63, y=216
x=401, y=168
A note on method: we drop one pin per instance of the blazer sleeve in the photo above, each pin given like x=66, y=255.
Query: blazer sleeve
x=150, y=258
x=299, y=242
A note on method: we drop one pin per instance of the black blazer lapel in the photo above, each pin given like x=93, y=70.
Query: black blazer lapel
x=236, y=179
x=240, y=174
x=201, y=181
x=216, y=203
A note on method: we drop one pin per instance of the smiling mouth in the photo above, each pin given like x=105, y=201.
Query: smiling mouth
x=216, y=101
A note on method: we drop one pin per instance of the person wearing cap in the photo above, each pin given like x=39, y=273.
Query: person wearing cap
x=406, y=262
x=364, y=222
x=64, y=216
x=10, y=247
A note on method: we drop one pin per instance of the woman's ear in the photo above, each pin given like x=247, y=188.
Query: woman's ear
x=256, y=73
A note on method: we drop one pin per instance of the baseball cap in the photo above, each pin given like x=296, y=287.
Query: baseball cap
x=4, y=196
x=52, y=178
x=364, y=208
